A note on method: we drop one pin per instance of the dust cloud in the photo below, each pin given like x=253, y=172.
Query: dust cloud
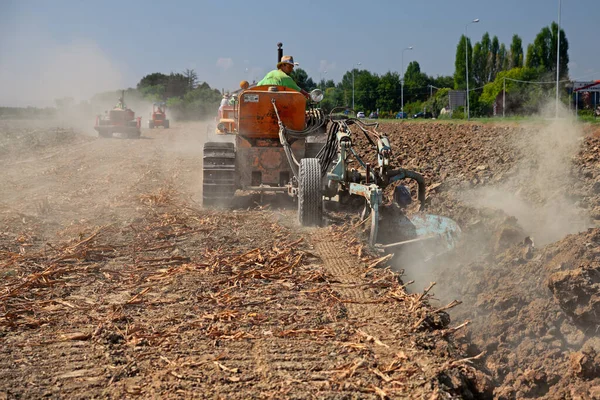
x=40, y=70
x=538, y=198
x=540, y=193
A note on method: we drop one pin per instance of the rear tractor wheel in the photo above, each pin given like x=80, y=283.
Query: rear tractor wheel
x=166, y=124
x=310, y=198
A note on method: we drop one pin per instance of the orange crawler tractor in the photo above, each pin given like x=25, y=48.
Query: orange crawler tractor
x=283, y=144
x=120, y=119
x=272, y=126
x=159, y=116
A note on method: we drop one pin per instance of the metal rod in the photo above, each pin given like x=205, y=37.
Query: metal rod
x=558, y=56
x=504, y=98
x=266, y=189
x=467, y=66
x=387, y=246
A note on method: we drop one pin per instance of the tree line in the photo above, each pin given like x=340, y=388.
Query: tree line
x=491, y=64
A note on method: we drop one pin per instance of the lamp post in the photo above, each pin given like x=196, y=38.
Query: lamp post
x=402, y=79
x=476, y=20
x=353, y=84
x=557, y=56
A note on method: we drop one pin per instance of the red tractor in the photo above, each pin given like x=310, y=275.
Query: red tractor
x=119, y=120
x=159, y=116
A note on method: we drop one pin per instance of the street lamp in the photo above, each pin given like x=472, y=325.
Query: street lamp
x=353, y=84
x=402, y=79
x=557, y=56
x=476, y=20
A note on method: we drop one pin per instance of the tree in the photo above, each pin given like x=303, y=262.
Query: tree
x=501, y=60
x=154, y=79
x=415, y=83
x=302, y=79
x=177, y=85
x=438, y=101
x=492, y=61
x=539, y=52
x=366, y=90
x=488, y=60
x=516, y=53
x=192, y=78
x=389, y=90
x=542, y=52
x=520, y=97
x=344, y=92
x=478, y=65
x=442, y=81
x=464, y=45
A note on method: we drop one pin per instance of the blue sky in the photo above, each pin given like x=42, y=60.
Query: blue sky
x=57, y=48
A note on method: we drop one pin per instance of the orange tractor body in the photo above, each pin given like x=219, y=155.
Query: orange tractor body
x=282, y=144
x=120, y=119
x=158, y=116
x=257, y=160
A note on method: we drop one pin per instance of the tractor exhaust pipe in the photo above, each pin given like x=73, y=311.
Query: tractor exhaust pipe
x=279, y=51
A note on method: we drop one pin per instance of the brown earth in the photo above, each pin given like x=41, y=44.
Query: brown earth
x=532, y=307
x=116, y=284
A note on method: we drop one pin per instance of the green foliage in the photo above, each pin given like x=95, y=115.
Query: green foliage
x=154, y=79
x=301, y=78
x=153, y=93
x=174, y=103
x=459, y=113
x=492, y=60
x=413, y=108
x=588, y=116
x=501, y=61
x=415, y=83
x=438, y=101
x=521, y=97
x=516, y=53
x=460, y=63
x=198, y=103
x=542, y=52
x=489, y=58
x=443, y=81
x=480, y=65
x=388, y=89
x=185, y=98
x=191, y=77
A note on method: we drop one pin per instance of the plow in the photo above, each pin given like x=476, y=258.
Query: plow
x=284, y=143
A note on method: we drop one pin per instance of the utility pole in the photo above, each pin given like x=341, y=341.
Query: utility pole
x=504, y=97
x=476, y=20
x=558, y=56
x=353, y=84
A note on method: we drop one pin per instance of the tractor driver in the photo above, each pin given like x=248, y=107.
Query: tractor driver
x=281, y=76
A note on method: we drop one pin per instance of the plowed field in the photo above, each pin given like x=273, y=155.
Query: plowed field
x=117, y=284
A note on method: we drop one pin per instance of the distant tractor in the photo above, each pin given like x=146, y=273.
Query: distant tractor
x=159, y=116
x=119, y=120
